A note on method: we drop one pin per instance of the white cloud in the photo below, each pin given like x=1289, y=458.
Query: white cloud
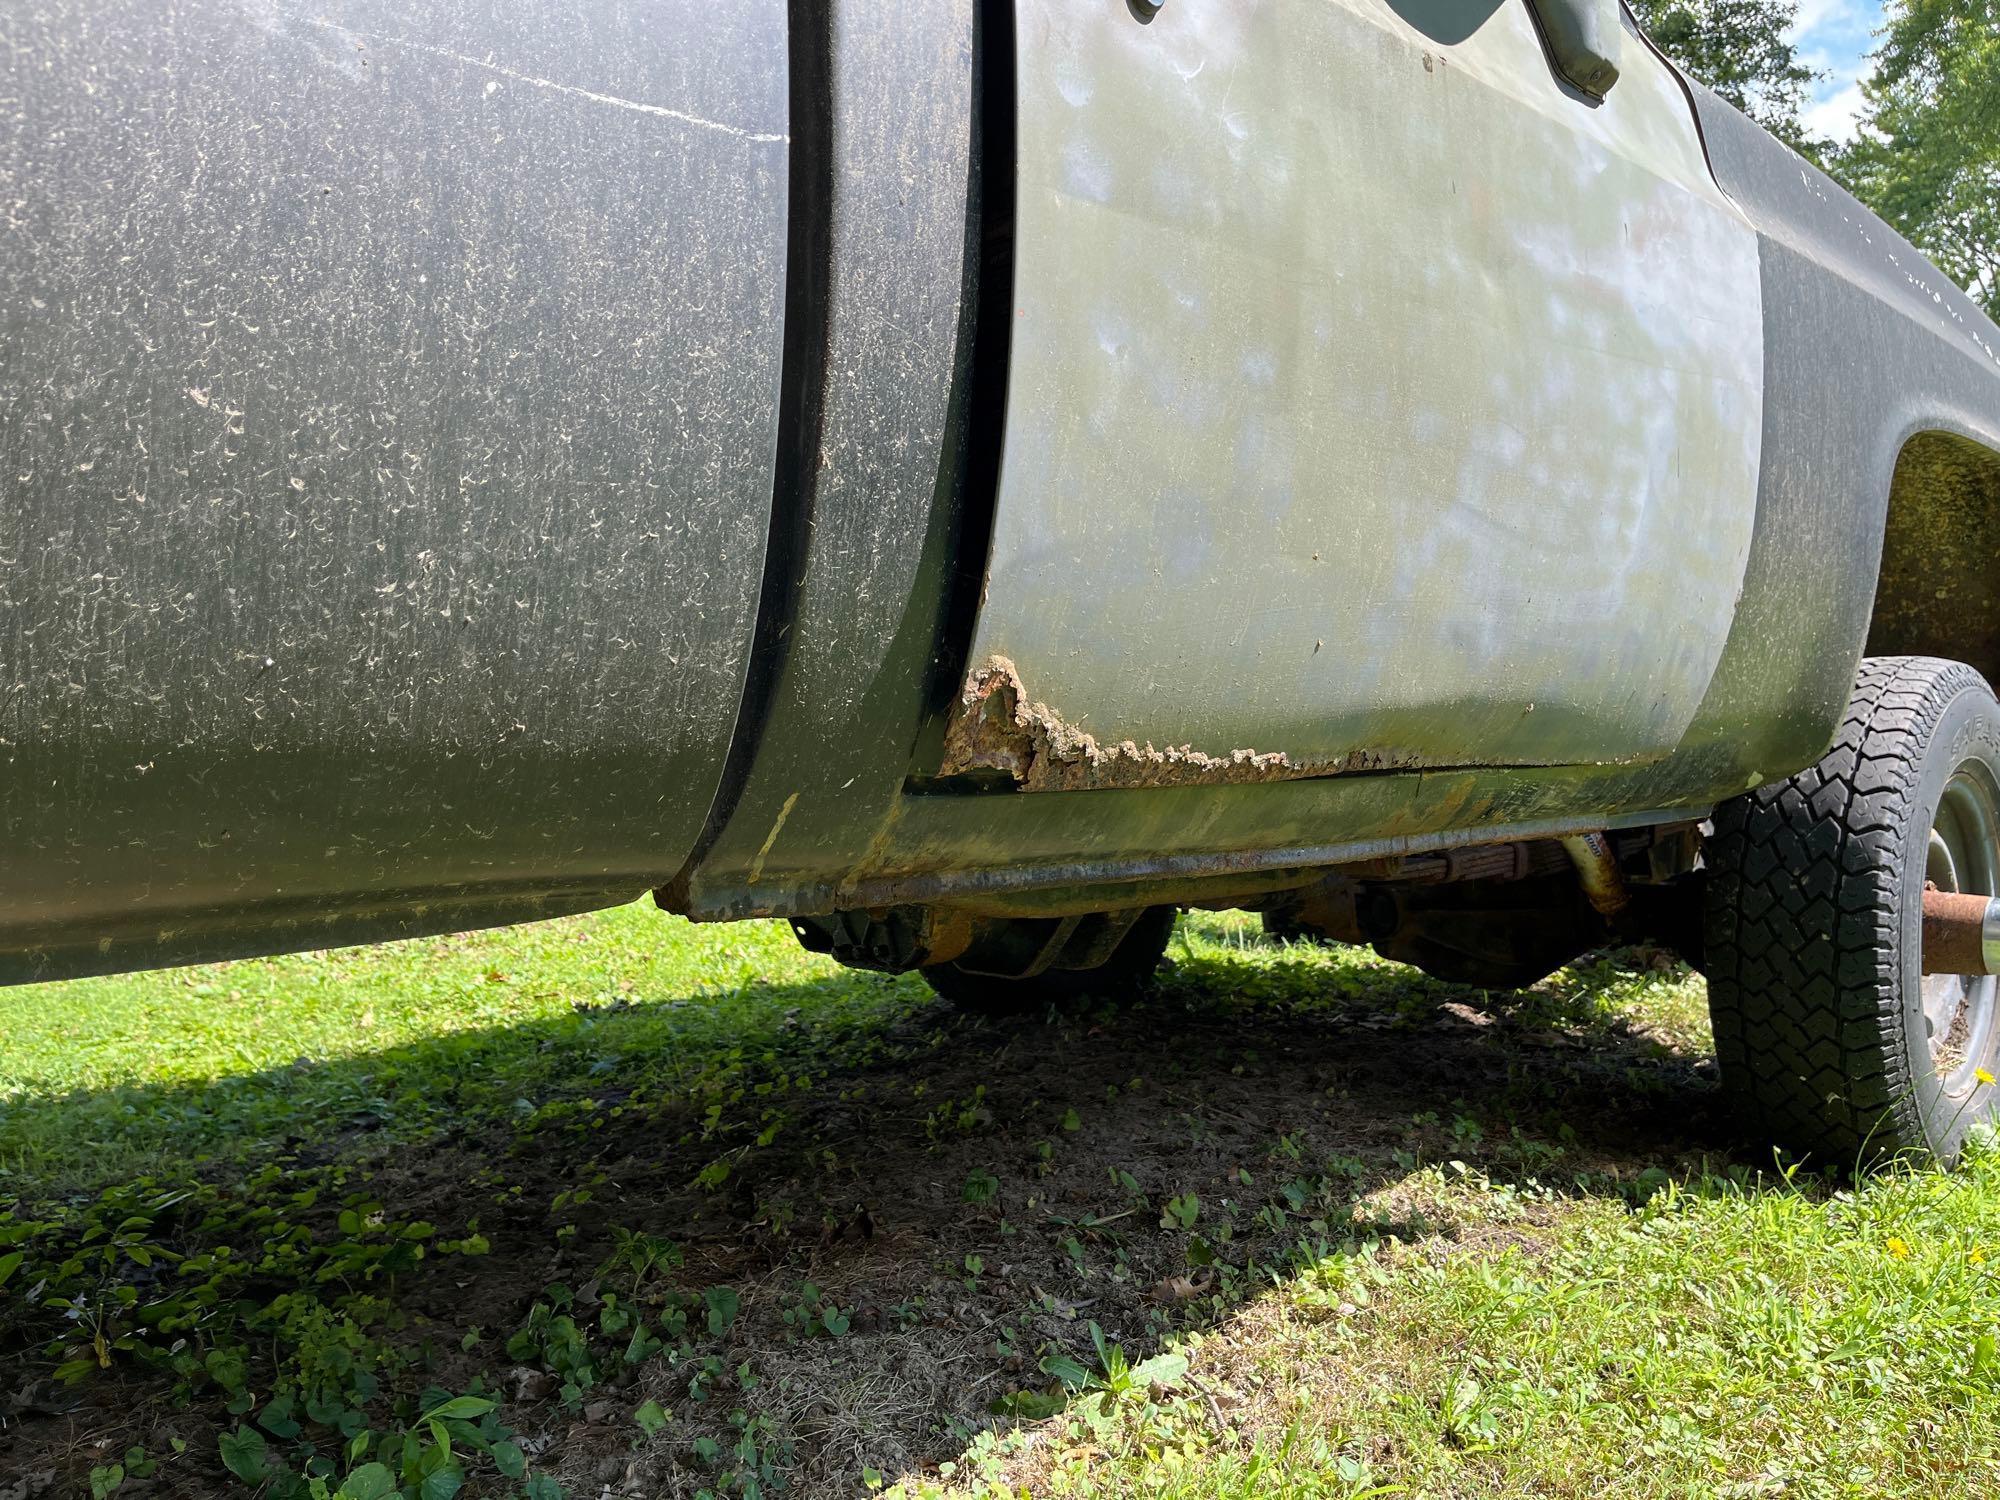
x=1834, y=37
x=1813, y=14
x=1835, y=116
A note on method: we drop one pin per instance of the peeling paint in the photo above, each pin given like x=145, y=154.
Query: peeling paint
x=996, y=726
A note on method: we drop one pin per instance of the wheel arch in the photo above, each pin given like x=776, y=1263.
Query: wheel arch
x=1937, y=591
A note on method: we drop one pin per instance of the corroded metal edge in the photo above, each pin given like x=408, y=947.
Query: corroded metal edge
x=996, y=726
x=1100, y=884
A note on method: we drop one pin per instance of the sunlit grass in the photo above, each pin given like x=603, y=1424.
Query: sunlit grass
x=1726, y=1339
x=1532, y=1322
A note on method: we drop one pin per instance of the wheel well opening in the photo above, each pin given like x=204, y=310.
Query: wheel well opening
x=1938, y=592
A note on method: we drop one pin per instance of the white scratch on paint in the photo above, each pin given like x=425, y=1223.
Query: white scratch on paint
x=548, y=83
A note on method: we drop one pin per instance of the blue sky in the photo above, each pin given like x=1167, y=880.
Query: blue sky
x=1835, y=36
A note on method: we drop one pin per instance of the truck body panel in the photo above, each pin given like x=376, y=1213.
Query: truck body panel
x=468, y=466
x=388, y=396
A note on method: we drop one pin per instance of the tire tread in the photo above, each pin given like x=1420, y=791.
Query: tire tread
x=1804, y=932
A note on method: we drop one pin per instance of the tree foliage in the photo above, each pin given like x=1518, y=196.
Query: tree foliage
x=1743, y=50
x=1927, y=157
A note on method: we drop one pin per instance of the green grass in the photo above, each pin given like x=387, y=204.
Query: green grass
x=1716, y=1342
x=155, y=1072
x=1433, y=1242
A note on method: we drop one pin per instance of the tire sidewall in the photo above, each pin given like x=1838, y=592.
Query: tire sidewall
x=1967, y=730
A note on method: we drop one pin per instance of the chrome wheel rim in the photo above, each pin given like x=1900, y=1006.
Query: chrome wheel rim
x=1963, y=854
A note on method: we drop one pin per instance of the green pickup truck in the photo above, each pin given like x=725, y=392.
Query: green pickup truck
x=973, y=477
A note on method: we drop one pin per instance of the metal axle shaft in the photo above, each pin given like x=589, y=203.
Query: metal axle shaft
x=1961, y=933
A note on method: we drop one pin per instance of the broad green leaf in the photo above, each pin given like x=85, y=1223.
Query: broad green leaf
x=650, y=1417
x=1097, y=1342
x=226, y=1368
x=461, y=1408
x=369, y=1482
x=723, y=1305
x=1067, y=1370
x=1162, y=1369
x=245, y=1454
x=276, y=1418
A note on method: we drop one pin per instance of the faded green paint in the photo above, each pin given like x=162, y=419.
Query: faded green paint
x=1372, y=398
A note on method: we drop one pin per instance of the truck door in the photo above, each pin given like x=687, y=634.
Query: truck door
x=1378, y=399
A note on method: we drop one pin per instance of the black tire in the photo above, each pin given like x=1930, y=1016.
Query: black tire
x=1814, y=935
x=1122, y=976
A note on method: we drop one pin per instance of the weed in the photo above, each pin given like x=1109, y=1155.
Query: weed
x=813, y=1315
